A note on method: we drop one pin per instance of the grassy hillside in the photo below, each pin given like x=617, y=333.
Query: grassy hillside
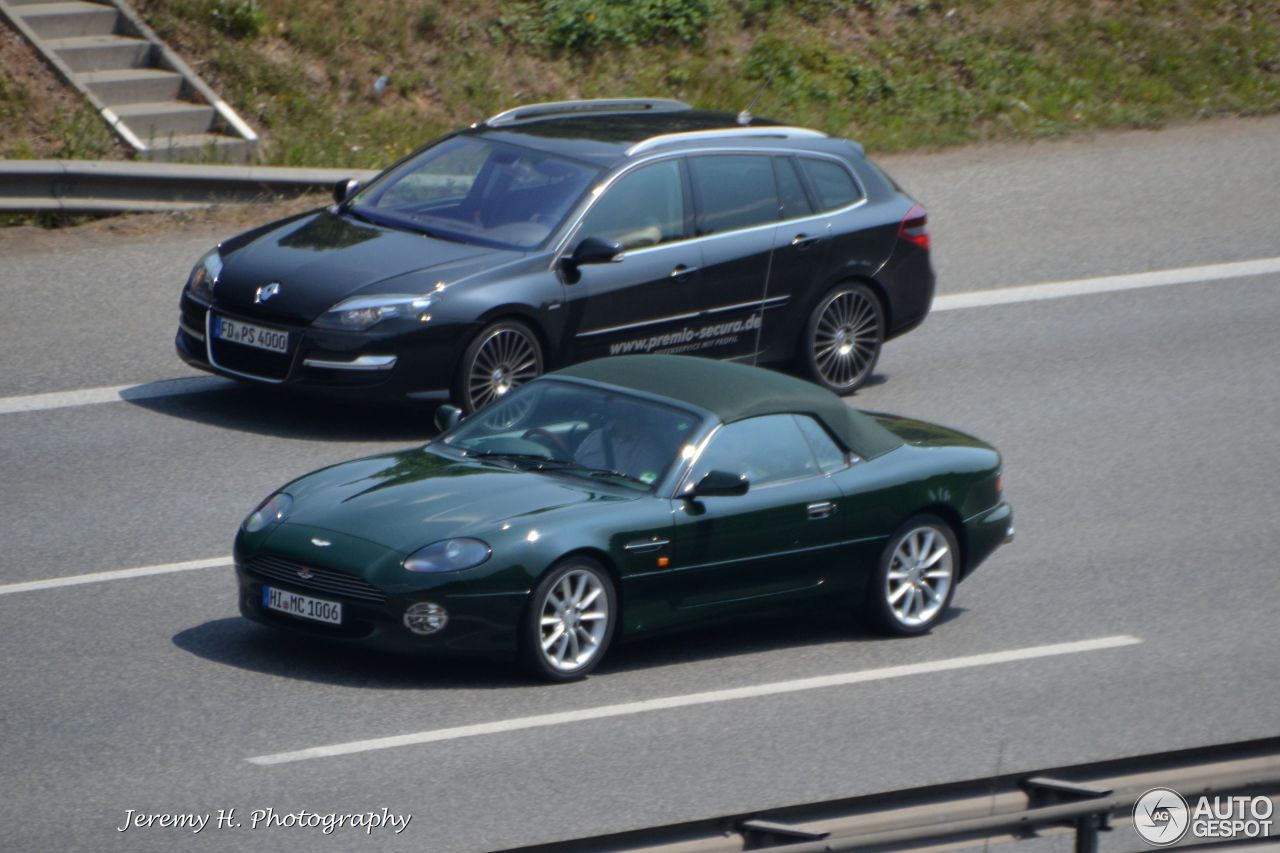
x=893, y=73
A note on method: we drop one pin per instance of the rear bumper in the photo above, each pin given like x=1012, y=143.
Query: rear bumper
x=986, y=532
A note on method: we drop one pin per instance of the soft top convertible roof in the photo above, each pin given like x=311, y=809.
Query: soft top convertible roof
x=734, y=392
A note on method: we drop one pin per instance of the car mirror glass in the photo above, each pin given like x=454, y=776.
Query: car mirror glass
x=448, y=417
x=345, y=189
x=721, y=484
x=597, y=250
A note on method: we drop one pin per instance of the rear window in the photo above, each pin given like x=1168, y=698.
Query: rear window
x=734, y=191
x=831, y=182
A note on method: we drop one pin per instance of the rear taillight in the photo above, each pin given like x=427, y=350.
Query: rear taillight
x=915, y=227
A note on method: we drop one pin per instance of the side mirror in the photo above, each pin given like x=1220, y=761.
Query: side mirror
x=720, y=484
x=596, y=250
x=345, y=189
x=447, y=417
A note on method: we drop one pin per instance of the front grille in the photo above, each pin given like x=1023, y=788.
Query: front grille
x=321, y=580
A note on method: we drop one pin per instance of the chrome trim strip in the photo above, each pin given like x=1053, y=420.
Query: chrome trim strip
x=364, y=362
x=673, y=318
x=208, y=349
x=589, y=105
x=757, y=132
x=645, y=546
x=772, y=302
x=182, y=324
x=594, y=196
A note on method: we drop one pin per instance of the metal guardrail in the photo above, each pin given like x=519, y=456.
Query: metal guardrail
x=1083, y=798
x=99, y=186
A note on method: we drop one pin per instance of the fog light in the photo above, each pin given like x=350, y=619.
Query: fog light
x=425, y=618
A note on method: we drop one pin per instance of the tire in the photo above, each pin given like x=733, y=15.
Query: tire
x=907, y=595
x=503, y=356
x=548, y=650
x=843, y=338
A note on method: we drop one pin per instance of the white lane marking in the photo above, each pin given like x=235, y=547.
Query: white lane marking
x=114, y=575
x=948, y=302
x=112, y=394
x=709, y=697
x=1104, y=284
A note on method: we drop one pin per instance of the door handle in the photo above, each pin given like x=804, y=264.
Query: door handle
x=681, y=271
x=804, y=241
x=821, y=509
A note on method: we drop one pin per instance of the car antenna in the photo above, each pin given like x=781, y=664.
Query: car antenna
x=745, y=117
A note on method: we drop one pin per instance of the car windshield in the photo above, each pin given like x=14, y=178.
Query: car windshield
x=578, y=430
x=475, y=190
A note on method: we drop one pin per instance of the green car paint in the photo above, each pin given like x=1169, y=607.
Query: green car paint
x=674, y=560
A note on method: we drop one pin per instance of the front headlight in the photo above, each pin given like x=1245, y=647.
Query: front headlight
x=205, y=275
x=360, y=312
x=451, y=555
x=271, y=511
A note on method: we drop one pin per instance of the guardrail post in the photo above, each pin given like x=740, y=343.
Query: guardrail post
x=1087, y=833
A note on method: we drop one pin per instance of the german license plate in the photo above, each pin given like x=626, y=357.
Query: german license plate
x=302, y=606
x=247, y=334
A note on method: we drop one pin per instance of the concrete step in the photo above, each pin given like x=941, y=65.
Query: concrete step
x=132, y=85
x=98, y=53
x=156, y=123
x=202, y=147
x=64, y=20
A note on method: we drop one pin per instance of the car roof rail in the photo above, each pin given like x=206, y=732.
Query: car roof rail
x=759, y=132
x=596, y=105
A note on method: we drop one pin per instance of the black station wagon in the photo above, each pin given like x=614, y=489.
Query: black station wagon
x=556, y=233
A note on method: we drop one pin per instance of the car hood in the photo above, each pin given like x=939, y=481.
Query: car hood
x=410, y=499
x=323, y=257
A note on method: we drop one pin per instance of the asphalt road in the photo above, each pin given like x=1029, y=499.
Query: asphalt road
x=1139, y=430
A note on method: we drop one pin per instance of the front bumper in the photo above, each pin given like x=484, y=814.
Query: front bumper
x=481, y=625
x=417, y=366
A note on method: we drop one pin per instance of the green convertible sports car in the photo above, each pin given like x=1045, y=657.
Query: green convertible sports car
x=621, y=497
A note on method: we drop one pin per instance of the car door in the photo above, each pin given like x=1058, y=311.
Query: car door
x=649, y=300
x=801, y=248
x=776, y=539
x=736, y=199
x=852, y=245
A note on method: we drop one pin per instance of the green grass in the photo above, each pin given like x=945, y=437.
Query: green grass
x=895, y=74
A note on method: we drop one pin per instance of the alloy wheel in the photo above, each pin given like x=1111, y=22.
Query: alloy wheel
x=919, y=578
x=574, y=621
x=506, y=357
x=846, y=338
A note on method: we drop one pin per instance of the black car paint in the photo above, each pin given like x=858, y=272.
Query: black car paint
x=746, y=294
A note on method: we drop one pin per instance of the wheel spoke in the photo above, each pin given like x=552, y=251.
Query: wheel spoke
x=896, y=595
x=555, y=635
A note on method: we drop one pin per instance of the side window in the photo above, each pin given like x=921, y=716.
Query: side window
x=832, y=183
x=795, y=201
x=830, y=456
x=767, y=449
x=644, y=208
x=733, y=191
